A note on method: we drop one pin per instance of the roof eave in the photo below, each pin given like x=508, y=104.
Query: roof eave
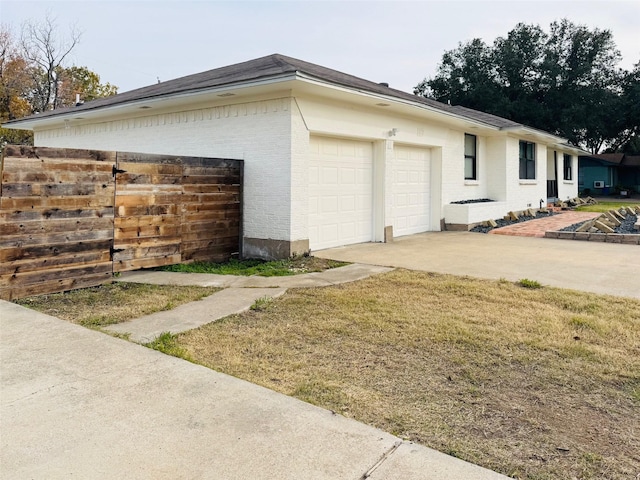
x=31, y=122
x=393, y=100
x=534, y=132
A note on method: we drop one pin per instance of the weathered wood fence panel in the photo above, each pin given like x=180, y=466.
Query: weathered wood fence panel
x=148, y=220
x=211, y=209
x=176, y=209
x=70, y=218
x=56, y=220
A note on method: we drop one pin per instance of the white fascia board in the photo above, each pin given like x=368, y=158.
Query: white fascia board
x=572, y=148
x=535, y=133
x=135, y=105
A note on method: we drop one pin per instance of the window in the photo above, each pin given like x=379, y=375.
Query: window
x=567, y=167
x=527, y=160
x=470, y=157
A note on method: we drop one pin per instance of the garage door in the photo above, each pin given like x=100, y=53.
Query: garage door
x=340, y=192
x=411, y=195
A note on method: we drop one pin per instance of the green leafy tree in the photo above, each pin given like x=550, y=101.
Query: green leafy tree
x=467, y=74
x=629, y=141
x=565, y=81
x=82, y=81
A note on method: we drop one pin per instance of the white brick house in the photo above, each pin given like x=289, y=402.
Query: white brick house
x=330, y=159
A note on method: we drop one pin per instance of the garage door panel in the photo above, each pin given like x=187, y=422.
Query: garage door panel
x=348, y=204
x=328, y=147
x=343, y=192
x=411, y=196
x=348, y=176
x=329, y=176
x=314, y=175
x=329, y=205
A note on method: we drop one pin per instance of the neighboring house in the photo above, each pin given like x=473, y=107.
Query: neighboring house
x=609, y=173
x=330, y=159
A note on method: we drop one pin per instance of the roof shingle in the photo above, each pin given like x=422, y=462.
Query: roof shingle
x=269, y=67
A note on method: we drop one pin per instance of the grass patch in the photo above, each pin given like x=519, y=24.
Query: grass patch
x=602, y=207
x=261, y=303
x=533, y=383
x=526, y=283
x=166, y=343
x=278, y=268
x=114, y=303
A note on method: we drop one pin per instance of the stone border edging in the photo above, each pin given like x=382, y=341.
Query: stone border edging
x=628, y=239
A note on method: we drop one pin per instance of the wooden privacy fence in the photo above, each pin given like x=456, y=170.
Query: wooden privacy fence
x=71, y=218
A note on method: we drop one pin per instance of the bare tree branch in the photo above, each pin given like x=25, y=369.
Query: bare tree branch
x=42, y=46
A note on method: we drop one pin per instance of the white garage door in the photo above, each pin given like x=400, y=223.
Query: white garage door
x=411, y=192
x=340, y=192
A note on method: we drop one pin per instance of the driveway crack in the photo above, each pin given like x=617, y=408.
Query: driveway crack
x=382, y=459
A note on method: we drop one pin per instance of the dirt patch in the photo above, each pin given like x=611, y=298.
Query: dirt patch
x=311, y=264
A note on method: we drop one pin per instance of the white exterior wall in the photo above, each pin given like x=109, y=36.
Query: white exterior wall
x=257, y=132
x=335, y=119
x=455, y=187
x=272, y=136
x=522, y=194
x=499, y=177
x=299, y=207
x=567, y=188
x=496, y=168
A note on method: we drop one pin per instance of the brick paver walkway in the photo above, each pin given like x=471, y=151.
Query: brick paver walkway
x=538, y=227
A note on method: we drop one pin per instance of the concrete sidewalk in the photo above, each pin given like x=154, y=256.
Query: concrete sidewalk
x=238, y=295
x=77, y=403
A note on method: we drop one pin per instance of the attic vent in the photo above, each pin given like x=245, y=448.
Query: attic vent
x=226, y=95
x=382, y=104
x=383, y=84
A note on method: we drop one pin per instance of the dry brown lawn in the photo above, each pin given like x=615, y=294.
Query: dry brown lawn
x=536, y=384
x=114, y=303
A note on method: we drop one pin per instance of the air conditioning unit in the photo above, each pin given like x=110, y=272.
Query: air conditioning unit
x=598, y=184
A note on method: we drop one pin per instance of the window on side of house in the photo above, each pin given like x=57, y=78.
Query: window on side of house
x=527, y=160
x=566, y=164
x=470, y=158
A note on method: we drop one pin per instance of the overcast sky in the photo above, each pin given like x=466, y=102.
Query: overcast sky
x=133, y=43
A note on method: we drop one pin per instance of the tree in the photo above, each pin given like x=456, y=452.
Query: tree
x=565, y=81
x=15, y=85
x=80, y=80
x=42, y=48
x=34, y=77
x=629, y=140
x=465, y=76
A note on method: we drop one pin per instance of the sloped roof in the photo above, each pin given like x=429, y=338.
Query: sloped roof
x=485, y=117
x=620, y=159
x=631, y=161
x=609, y=157
x=263, y=68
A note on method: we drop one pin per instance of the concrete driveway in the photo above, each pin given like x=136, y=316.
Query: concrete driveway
x=589, y=266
